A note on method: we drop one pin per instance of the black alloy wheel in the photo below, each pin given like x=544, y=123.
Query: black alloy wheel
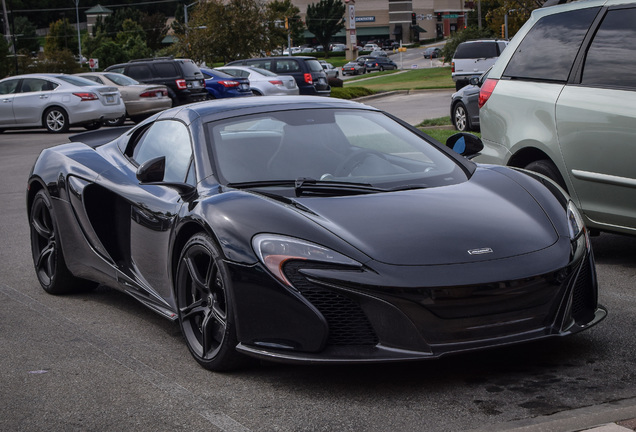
x=548, y=169
x=204, y=303
x=48, y=259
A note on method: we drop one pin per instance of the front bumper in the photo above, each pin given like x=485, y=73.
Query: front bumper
x=386, y=314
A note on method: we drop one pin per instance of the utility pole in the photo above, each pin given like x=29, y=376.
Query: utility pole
x=79, y=38
x=7, y=32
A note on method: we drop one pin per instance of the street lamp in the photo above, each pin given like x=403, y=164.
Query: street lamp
x=79, y=39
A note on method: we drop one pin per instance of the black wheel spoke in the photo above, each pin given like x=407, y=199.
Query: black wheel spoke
x=198, y=281
x=46, y=260
x=195, y=309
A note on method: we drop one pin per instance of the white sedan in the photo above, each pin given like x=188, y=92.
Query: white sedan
x=56, y=102
x=264, y=82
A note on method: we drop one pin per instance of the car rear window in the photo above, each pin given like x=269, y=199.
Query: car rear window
x=550, y=47
x=166, y=70
x=314, y=65
x=476, y=50
x=190, y=69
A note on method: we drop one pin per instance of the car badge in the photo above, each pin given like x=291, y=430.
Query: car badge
x=480, y=251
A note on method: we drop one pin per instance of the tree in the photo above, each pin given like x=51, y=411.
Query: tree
x=6, y=62
x=518, y=13
x=324, y=20
x=28, y=42
x=276, y=12
x=62, y=35
x=155, y=29
x=469, y=33
x=219, y=31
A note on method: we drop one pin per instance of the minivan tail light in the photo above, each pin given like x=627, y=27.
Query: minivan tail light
x=181, y=84
x=486, y=90
x=308, y=78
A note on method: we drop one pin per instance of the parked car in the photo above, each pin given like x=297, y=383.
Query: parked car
x=377, y=53
x=307, y=71
x=141, y=100
x=432, y=52
x=330, y=70
x=305, y=229
x=464, y=106
x=354, y=68
x=569, y=112
x=294, y=50
x=221, y=84
x=371, y=47
x=474, y=57
x=182, y=77
x=338, y=47
x=379, y=64
x=264, y=82
x=56, y=102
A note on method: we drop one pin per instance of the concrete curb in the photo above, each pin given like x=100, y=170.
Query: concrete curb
x=581, y=419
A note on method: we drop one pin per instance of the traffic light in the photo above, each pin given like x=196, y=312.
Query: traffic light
x=439, y=16
x=413, y=18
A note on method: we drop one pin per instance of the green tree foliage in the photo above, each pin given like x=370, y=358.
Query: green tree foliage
x=52, y=61
x=223, y=31
x=324, y=19
x=109, y=53
x=518, y=13
x=276, y=12
x=155, y=29
x=28, y=42
x=62, y=35
x=6, y=62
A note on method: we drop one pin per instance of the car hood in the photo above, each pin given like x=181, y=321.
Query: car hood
x=488, y=217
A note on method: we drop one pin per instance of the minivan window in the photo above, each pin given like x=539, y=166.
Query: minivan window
x=166, y=70
x=611, y=59
x=314, y=65
x=550, y=47
x=476, y=50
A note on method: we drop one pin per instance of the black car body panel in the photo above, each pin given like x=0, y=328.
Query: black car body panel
x=406, y=293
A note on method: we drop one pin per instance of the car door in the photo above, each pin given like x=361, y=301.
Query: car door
x=146, y=214
x=8, y=90
x=596, y=123
x=32, y=99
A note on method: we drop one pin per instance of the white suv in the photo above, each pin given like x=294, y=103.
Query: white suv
x=473, y=58
x=561, y=101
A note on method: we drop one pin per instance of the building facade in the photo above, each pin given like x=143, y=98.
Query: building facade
x=393, y=19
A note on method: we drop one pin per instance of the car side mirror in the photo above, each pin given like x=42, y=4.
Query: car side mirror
x=467, y=145
x=475, y=81
x=152, y=172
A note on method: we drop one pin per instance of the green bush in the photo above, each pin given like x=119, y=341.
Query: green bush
x=350, y=92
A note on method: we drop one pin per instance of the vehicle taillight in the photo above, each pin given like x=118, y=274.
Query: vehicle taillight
x=86, y=96
x=181, y=84
x=229, y=83
x=308, y=78
x=152, y=93
x=452, y=66
x=486, y=90
x=276, y=82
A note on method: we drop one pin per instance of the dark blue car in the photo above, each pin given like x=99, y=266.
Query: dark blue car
x=222, y=85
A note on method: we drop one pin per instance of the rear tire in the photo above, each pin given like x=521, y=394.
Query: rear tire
x=46, y=249
x=548, y=169
x=460, y=118
x=116, y=122
x=93, y=126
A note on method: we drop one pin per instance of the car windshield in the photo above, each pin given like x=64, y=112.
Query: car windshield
x=330, y=145
x=120, y=79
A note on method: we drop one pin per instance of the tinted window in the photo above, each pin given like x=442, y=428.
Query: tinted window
x=34, y=85
x=286, y=66
x=8, y=87
x=314, y=65
x=139, y=72
x=476, y=50
x=548, y=50
x=190, y=69
x=611, y=59
x=170, y=139
x=166, y=70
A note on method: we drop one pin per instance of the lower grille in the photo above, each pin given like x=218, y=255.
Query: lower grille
x=348, y=324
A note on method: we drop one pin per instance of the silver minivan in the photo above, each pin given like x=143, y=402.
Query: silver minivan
x=561, y=101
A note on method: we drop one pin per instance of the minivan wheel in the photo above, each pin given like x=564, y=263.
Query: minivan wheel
x=548, y=169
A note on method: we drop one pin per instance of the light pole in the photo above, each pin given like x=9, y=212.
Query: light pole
x=79, y=38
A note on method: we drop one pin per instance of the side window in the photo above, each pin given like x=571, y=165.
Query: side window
x=611, y=58
x=286, y=66
x=166, y=70
x=548, y=50
x=9, y=87
x=117, y=70
x=139, y=72
x=94, y=78
x=170, y=139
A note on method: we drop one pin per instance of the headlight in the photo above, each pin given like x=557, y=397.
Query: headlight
x=575, y=221
x=275, y=250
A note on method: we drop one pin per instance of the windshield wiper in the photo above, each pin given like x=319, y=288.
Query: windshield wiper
x=322, y=187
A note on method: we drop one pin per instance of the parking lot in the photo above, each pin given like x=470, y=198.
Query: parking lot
x=101, y=361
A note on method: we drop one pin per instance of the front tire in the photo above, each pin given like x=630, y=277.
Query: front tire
x=204, y=301
x=548, y=169
x=48, y=258
x=56, y=120
x=460, y=118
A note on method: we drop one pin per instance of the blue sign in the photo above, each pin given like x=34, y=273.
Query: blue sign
x=365, y=19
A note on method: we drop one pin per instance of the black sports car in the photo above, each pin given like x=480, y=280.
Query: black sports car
x=305, y=229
